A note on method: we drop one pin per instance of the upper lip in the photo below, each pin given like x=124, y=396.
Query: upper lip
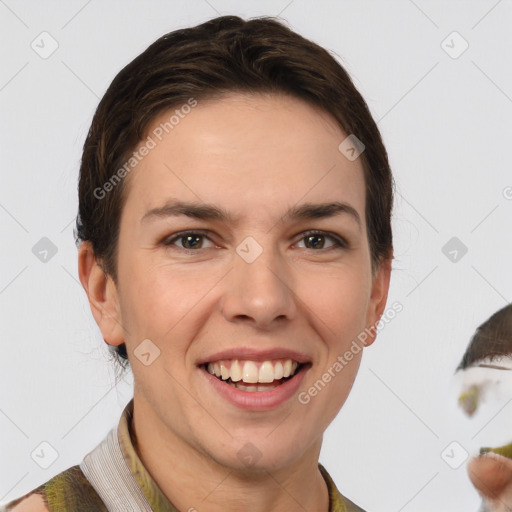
x=254, y=354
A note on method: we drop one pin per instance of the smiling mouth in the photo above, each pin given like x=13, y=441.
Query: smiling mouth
x=254, y=376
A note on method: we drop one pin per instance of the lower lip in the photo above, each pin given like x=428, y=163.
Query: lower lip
x=258, y=400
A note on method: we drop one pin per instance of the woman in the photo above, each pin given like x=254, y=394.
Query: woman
x=235, y=246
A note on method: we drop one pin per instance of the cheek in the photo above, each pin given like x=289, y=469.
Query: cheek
x=156, y=297
x=340, y=301
x=328, y=390
x=339, y=316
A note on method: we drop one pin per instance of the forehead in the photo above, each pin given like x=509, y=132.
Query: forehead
x=255, y=152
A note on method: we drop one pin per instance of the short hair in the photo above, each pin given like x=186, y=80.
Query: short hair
x=492, y=339
x=225, y=54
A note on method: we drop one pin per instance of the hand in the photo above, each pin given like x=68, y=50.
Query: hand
x=491, y=474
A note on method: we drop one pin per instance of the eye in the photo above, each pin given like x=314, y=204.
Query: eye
x=191, y=240
x=313, y=237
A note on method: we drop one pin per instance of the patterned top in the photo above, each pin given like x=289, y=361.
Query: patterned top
x=72, y=491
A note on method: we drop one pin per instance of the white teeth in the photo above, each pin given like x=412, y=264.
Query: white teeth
x=251, y=389
x=245, y=388
x=252, y=372
x=266, y=372
x=224, y=372
x=278, y=370
x=287, y=368
x=235, y=372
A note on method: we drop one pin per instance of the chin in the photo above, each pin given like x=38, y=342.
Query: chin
x=255, y=454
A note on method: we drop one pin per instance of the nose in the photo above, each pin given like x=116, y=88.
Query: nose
x=260, y=287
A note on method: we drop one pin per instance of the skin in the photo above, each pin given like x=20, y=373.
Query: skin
x=33, y=503
x=491, y=474
x=256, y=156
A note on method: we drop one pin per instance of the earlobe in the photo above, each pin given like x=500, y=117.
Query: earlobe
x=102, y=294
x=378, y=298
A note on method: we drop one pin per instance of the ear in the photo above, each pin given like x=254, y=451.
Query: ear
x=102, y=294
x=378, y=298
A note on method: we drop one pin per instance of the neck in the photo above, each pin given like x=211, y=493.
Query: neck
x=193, y=481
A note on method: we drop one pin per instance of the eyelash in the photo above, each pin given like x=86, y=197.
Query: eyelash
x=340, y=243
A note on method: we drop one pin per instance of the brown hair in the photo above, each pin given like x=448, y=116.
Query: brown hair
x=492, y=339
x=224, y=54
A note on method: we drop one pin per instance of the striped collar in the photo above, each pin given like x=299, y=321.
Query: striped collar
x=156, y=498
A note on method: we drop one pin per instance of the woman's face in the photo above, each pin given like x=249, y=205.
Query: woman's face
x=254, y=287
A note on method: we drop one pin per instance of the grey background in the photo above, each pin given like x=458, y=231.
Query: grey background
x=446, y=125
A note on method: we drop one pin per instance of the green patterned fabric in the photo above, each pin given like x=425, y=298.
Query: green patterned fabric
x=67, y=491
x=505, y=451
x=70, y=491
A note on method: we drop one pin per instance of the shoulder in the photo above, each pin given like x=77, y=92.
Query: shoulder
x=31, y=502
x=69, y=490
x=352, y=507
x=337, y=502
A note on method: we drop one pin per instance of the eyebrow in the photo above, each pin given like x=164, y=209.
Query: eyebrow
x=202, y=211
